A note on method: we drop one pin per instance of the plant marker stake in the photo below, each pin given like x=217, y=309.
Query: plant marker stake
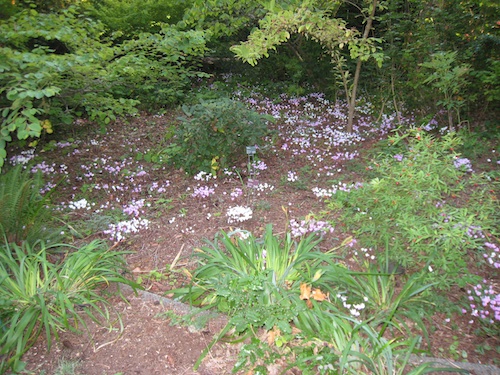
x=251, y=150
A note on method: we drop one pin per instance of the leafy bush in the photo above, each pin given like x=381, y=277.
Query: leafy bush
x=135, y=16
x=415, y=206
x=214, y=133
x=157, y=69
x=51, y=63
x=448, y=79
x=25, y=215
x=55, y=67
x=489, y=80
x=38, y=296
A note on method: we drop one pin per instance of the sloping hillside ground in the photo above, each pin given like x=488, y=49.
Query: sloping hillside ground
x=166, y=214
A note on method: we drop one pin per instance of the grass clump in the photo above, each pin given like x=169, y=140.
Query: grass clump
x=285, y=289
x=38, y=296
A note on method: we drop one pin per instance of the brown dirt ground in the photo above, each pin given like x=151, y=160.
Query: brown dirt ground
x=148, y=343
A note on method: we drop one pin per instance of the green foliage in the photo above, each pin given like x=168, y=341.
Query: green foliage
x=475, y=144
x=156, y=69
x=239, y=261
x=223, y=17
x=332, y=33
x=7, y=9
x=55, y=67
x=332, y=342
x=126, y=19
x=67, y=367
x=374, y=297
x=214, y=133
x=49, y=62
x=275, y=285
x=414, y=30
x=449, y=79
x=335, y=343
x=415, y=206
x=42, y=5
x=40, y=297
x=490, y=79
x=25, y=215
x=249, y=278
x=277, y=28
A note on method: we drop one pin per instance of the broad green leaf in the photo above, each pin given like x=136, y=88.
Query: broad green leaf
x=12, y=94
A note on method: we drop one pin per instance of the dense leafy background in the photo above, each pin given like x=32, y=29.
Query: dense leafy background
x=61, y=60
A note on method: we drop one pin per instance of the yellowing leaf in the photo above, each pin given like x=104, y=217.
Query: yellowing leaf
x=187, y=273
x=317, y=275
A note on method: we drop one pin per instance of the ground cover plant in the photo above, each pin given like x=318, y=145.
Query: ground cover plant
x=277, y=285
x=358, y=288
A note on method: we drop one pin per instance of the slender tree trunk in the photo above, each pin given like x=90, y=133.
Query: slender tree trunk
x=355, y=82
x=394, y=98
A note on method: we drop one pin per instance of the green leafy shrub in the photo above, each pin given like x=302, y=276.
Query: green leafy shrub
x=489, y=80
x=38, y=296
x=50, y=63
x=157, y=69
x=25, y=215
x=416, y=206
x=214, y=133
x=55, y=67
x=448, y=78
x=135, y=16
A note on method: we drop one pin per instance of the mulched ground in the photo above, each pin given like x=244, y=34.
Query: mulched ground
x=178, y=224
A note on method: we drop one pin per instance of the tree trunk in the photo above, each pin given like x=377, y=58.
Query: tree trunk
x=355, y=82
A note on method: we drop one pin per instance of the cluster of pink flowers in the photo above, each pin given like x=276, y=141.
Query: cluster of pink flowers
x=492, y=255
x=203, y=192
x=237, y=192
x=484, y=303
x=307, y=226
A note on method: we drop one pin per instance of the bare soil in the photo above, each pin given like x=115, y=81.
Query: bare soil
x=148, y=343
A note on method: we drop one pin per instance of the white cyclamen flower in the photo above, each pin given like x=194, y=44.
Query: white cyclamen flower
x=239, y=213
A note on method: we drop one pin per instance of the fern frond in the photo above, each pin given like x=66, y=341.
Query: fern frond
x=22, y=207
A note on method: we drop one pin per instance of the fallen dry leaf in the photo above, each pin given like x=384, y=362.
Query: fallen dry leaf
x=271, y=335
x=318, y=295
x=305, y=291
